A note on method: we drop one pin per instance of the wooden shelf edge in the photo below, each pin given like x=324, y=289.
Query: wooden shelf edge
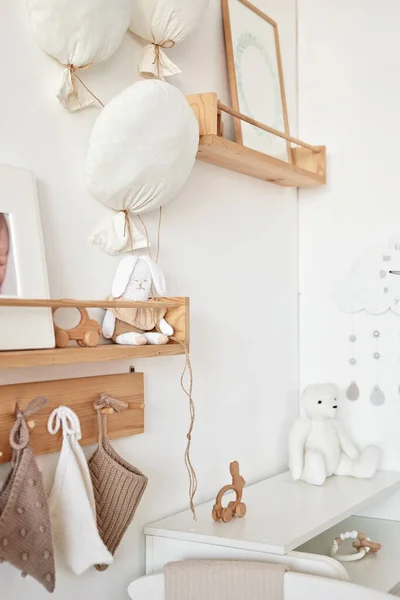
x=75, y=354
x=230, y=155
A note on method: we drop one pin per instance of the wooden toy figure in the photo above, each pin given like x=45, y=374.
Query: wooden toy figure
x=235, y=508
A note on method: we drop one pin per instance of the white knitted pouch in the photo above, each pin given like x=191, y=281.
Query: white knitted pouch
x=71, y=500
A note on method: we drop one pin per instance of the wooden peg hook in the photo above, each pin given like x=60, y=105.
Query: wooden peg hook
x=107, y=411
x=31, y=424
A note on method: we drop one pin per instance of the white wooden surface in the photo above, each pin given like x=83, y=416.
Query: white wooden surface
x=281, y=514
x=379, y=571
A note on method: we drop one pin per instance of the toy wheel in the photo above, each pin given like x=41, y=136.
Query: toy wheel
x=231, y=504
x=81, y=343
x=241, y=510
x=226, y=515
x=215, y=514
x=91, y=338
x=62, y=338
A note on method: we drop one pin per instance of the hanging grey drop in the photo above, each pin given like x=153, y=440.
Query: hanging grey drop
x=377, y=396
x=353, y=393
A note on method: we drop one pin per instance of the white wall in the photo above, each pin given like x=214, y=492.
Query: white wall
x=227, y=241
x=349, y=98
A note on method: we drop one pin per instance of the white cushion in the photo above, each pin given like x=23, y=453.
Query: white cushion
x=79, y=32
x=142, y=147
x=164, y=22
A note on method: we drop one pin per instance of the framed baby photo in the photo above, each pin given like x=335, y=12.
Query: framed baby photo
x=256, y=77
x=23, y=272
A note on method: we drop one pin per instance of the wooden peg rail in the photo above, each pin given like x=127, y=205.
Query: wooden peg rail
x=284, y=136
x=79, y=395
x=70, y=303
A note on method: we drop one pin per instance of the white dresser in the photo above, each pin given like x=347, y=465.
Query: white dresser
x=293, y=523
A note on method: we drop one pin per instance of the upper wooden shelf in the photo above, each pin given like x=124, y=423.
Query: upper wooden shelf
x=308, y=166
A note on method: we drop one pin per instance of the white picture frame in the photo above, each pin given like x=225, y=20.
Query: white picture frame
x=23, y=271
x=256, y=77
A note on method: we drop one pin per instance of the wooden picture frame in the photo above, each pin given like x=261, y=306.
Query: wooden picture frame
x=246, y=28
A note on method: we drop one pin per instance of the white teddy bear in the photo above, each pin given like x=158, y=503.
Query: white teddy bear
x=319, y=448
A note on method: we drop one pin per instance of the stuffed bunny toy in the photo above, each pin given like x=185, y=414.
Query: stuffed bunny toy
x=319, y=447
x=133, y=326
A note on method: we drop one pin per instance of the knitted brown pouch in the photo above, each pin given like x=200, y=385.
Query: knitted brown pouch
x=118, y=486
x=25, y=532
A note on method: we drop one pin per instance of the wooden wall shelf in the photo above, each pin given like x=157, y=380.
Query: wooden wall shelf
x=177, y=315
x=308, y=166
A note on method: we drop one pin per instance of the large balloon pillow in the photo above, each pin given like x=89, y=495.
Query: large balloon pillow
x=142, y=148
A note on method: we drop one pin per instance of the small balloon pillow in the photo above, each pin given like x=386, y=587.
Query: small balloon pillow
x=141, y=152
x=164, y=23
x=78, y=33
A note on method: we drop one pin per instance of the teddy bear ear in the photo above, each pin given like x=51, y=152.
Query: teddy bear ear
x=306, y=390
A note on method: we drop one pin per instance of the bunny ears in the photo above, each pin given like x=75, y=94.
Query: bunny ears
x=126, y=268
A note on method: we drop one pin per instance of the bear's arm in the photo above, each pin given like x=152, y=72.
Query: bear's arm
x=345, y=442
x=297, y=439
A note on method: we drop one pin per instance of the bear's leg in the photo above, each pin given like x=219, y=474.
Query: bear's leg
x=363, y=467
x=156, y=338
x=345, y=466
x=131, y=339
x=314, y=468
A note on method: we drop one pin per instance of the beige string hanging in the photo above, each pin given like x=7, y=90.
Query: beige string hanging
x=147, y=235
x=159, y=56
x=188, y=461
x=187, y=368
x=128, y=230
x=72, y=69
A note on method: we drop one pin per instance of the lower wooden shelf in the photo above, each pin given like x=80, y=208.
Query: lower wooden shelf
x=76, y=354
x=177, y=316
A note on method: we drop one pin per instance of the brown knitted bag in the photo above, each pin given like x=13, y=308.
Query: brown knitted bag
x=118, y=486
x=25, y=531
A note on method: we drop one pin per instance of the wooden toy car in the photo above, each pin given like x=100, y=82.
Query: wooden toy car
x=86, y=333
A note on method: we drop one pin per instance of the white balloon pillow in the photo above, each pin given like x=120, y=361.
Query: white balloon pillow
x=78, y=33
x=164, y=23
x=141, y=150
